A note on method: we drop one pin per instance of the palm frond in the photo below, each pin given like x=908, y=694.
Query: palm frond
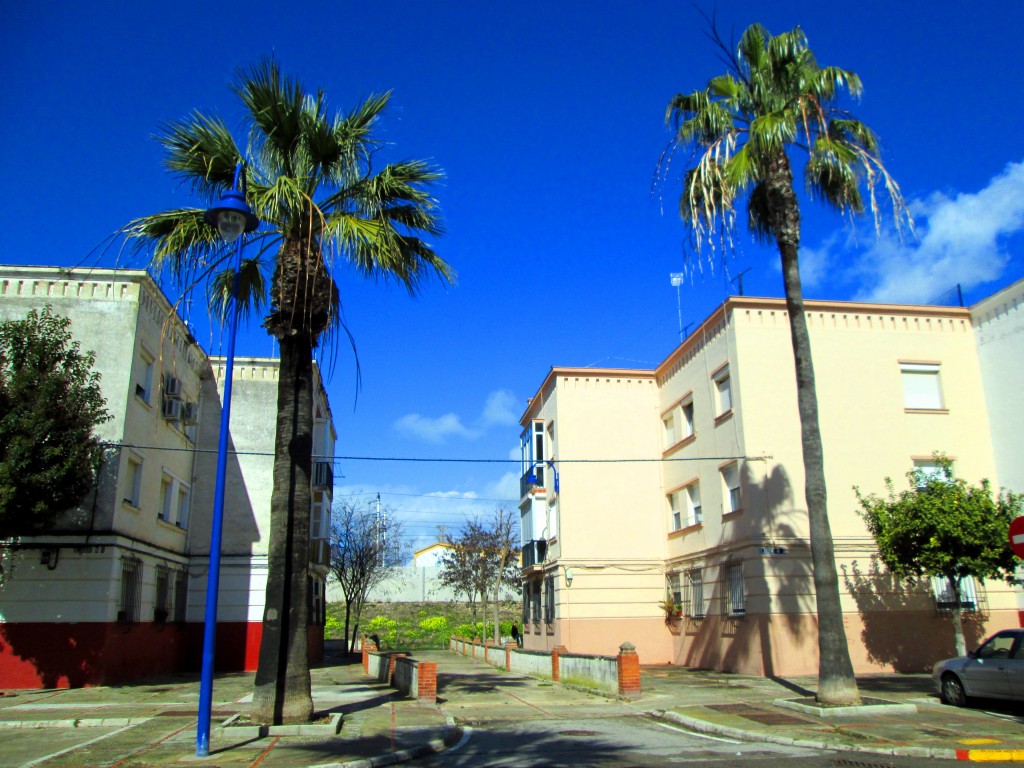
x=201, y=151
x=251, y=291
x=757, y=215
x=275, y=105
x=177, y=241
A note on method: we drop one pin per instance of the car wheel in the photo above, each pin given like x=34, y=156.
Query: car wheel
x=953, y=691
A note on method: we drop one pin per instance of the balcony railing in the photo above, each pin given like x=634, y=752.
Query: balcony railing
x=323, y=475
x=534, y=552
x=534, y=478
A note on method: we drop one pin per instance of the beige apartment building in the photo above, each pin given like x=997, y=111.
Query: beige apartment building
x=685, y=483
x=117, y=588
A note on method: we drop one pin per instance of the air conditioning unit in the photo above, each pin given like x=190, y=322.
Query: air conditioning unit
x=171, y=409
x=189, y=413
x=172, y=386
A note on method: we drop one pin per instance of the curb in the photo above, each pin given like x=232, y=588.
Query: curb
x=703, y=726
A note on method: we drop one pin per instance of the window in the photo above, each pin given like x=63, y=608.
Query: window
x=723, y=391
x=174, y=500
x=668, y=421
x=535, y=601
x=162, y=603
x=133, y=481
x=675, y=589
x=166, y=497
x=184, y=496
x=549, y=599
x=131, y=586
x=922, y=390
x=731, y=488
x=926, y=470
x=693, y=509
x=180, y=595
x=685, y=508
x=693, y=594
x=687, y=411
x=317, y=609
x=144, y=383
x=734, y=582
x=945, y=599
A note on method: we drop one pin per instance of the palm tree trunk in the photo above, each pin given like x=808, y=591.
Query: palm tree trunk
x=282, y=688
x=836, y=682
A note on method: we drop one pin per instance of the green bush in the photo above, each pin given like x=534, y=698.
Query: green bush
x=334, y=628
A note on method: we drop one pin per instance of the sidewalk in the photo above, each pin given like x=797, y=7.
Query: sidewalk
x=906, y=717
x=153, y=724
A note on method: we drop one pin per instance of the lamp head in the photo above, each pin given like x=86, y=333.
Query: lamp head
x=232, y=216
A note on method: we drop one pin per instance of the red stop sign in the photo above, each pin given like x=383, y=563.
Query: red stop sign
x=1017, y=536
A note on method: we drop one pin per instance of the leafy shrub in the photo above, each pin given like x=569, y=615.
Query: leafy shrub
x=334, y=628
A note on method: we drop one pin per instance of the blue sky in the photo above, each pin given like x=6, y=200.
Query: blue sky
x=548, y=121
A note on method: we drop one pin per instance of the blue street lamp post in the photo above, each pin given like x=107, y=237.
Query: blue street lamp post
x=232, y=217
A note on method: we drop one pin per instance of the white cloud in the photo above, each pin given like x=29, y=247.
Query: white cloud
x=958, y=241
x=433, y=430
x=498, y=411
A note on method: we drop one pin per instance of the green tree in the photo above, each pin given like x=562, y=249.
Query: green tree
x=483, y=559
x=324, y=201
x=743, y=130
x=943, y=526
x=50, y=406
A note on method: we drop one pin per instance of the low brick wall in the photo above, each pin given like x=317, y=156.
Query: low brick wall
x=613, y=674
x=413, y=678
x=416, y=679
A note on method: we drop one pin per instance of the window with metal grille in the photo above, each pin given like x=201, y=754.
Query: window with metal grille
x=693, y=594
x=945, y=598
x=180, y=595
x=549, y=599
x=164, y=596
x=734, y=582
x=131, y=587
x=535, y=601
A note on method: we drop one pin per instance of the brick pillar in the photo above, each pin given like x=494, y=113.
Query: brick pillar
x=427, y=690
x=629, y=670
x=367, y=646
x=475, y=641
x=508, y=656
x=558, y=649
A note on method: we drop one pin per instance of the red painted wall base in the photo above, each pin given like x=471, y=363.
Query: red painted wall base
x=50, y=655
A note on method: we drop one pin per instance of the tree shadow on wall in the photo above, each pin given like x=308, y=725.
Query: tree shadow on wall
x=901, y=626
x=777, y=586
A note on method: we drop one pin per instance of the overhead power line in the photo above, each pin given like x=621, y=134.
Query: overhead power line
x=424, y=460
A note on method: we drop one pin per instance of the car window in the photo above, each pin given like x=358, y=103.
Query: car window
x=1018, y=648
x=997, y=647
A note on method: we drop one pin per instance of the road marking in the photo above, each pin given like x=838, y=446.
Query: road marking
x=467, y=731
x=44, y=758
x=701, y=735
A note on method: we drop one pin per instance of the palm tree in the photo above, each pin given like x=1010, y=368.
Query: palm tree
x=743, y=128
x=322, y=203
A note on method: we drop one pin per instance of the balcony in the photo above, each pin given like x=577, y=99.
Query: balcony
x=534, y=478
x=323, y=475
x=534, y=553
x=319, y=552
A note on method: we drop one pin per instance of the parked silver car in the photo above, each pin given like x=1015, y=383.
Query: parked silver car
x=994, y=671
